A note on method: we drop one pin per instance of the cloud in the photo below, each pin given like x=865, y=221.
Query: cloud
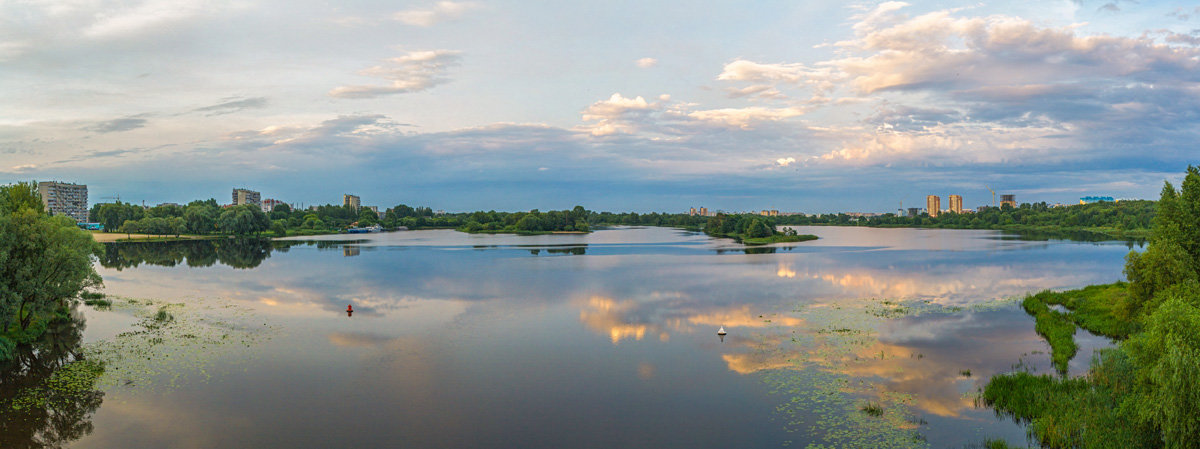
x=784, y=162
x=413, y=72
x=125, y=19
x=646, y=63
x=745, y=118
x=440, y=12
x=233, y=105
x=116, y=125
x=617, y=114
x=952, y=90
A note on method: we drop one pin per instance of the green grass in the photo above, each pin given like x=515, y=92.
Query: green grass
x=1081, y=412
x=1057, y=328
x=1096, y=308
x=779, y=238
x=997, y=444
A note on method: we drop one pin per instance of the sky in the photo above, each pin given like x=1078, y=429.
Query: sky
x=806, y=106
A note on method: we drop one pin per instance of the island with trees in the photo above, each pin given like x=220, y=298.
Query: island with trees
x=752, y=230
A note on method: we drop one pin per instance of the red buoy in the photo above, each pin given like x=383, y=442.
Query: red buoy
x=349, y=308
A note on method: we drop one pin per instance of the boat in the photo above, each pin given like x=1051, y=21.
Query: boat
x=374, y=228
x=721, y=331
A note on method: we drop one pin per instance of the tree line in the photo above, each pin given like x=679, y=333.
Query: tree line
x=1122, y=215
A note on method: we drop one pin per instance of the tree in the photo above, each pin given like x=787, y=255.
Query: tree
x=22, y=195
x=758, y=229
x=1167, y=355
x=200, y=218
x=281, y=212
x=44, y=261
x=367, y=217
x=243, y=220
x=113, y=215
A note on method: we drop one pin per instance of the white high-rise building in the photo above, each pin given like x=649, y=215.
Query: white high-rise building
x=246, y=196
x=61, y=198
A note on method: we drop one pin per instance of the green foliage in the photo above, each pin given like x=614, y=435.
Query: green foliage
x=750, y=229
x=1173, y=256
x=246, y=219
x=1056, y=328
x=1167, y=355
x=1100, y=309
x=155, y=226
x=1073, y=413
x=7, y=348
x=113, y=215
x=201, y=218
x=1117, y=219
x=780, y=238
x=872, y=409
x=532, y=222
x=20, y=196
x=45, y=262
x=1146, y=393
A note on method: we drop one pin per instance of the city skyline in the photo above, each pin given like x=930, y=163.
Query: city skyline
x=611, y=105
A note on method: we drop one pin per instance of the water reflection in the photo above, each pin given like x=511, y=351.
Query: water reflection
x=241, y=253
x=492, y=342
x=40, y=405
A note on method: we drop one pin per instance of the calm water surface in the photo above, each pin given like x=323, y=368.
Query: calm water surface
x=601, y=340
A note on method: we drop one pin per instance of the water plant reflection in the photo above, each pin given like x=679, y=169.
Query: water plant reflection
x=48, y=391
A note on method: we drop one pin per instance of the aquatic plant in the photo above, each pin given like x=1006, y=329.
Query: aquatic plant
x=174, y=342
x=872, y=409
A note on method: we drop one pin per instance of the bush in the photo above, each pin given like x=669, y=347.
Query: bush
x=7, y=347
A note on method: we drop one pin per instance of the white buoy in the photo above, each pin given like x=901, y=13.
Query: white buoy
x=721, y=331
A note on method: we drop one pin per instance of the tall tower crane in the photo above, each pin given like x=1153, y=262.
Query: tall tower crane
x=993, y=195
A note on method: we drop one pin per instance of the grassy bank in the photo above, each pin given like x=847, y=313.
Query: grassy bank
x=778, y=238
x=1136, y=395
x=1096, y=309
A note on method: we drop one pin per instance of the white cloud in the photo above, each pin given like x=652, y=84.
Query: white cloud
x=745, y=118
x=617, y=114
x=785, y=161
x=128, y=19
x=412, y=72
x=440, y=12
x=646, y=63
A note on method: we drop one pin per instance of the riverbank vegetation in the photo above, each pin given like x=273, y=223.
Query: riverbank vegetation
x=1121, y=220
x=45, y=262
x=1145, y=393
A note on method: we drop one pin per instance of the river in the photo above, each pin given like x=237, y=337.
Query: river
x=865, y=337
